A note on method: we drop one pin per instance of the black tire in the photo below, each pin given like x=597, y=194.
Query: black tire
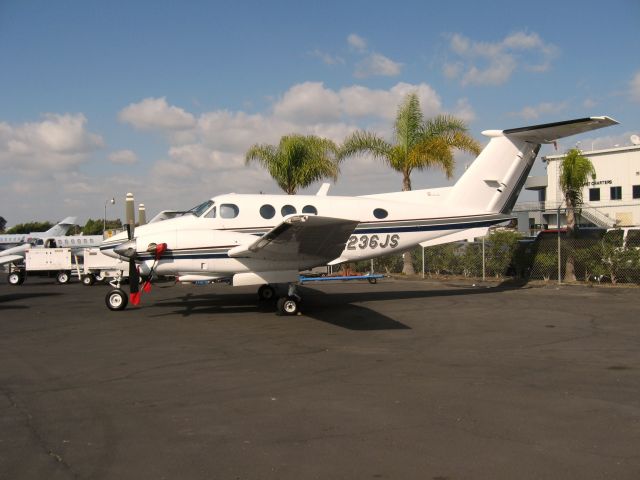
x=266, y=293
x=116, y=299
x=63, y=277
x=15, y=278
x=373, y=280
x=88, y=280
x=288, y=306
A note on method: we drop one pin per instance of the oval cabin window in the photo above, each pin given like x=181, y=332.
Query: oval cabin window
x=310, y=209
x=229, y=210
x=380, y=213
x=288, y=210
x=267, y=211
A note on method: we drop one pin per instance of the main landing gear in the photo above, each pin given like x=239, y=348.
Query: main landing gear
x=288, y=304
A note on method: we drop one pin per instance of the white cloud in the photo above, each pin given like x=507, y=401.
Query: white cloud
x=536, y=111
x=156, y=114
x=123, y=157
x=634, y=87
x=486, y=63
x=377, y=65
x=589, y=103
x=464, y=110
x=58, y=142
x=308, y=102
x=327, y=58
x=357, y=43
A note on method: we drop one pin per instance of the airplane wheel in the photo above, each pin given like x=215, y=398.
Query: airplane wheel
x=116, y=299
x=63, y=277
x=15, y=278
x=372, y=281
x=266, y=293
x=88, y=280
x=287, y=306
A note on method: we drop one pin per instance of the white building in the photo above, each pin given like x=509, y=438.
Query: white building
x=611, y=199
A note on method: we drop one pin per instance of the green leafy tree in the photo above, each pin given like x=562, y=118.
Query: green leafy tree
x=575, y=171
x=3, y=224
x=297, y=161
x=418, y=144
x=30, y=227
x=501, y=246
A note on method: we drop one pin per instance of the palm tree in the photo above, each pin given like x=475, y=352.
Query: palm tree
x=575, y=171
x=297, y=161
x=419, y=144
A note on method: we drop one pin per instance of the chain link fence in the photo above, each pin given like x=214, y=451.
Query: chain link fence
x=594, y=255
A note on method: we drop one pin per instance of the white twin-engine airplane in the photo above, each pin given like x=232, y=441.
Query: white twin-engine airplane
x=267, y=240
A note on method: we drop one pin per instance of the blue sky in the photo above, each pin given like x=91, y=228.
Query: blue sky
x=163, y=98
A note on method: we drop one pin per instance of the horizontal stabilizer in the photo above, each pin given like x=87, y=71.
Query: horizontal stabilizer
x=550, y=132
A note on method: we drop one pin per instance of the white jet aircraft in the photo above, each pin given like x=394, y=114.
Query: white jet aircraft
x=58, y=230
x=18, y=243
x=267, y=240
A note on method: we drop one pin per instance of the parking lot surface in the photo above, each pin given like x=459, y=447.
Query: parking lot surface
x=398, y=380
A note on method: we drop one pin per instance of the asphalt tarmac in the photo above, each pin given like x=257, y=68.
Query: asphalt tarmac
x=399, y=380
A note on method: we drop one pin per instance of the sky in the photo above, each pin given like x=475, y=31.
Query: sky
x=163, y=98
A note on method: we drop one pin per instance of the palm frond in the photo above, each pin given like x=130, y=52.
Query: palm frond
x=361, y=143
x=408, y=123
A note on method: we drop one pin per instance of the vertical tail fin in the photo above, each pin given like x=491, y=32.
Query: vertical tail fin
x=61, y=228
x=495, y=179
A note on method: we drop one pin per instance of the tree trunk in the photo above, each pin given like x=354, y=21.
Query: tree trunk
x=407, y=267
x=569, y=269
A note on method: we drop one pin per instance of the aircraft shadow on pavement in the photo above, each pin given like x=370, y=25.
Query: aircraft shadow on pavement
x=352, y=317
x=13, y=297
x=336, y=308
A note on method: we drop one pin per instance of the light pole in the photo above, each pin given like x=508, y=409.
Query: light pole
x=112, y=201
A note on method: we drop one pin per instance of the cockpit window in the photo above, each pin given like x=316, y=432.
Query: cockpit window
x=212, y=213
x=198, y=210
x=229, y=210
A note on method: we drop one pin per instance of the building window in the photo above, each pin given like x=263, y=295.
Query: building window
x=616, y=193
x=594, y=194
x=636, y=191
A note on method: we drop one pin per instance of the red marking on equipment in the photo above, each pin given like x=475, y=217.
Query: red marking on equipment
x=135, y=298
x=160, y=249
x=146, y=286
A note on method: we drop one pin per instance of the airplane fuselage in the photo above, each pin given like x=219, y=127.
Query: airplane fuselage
x=387, y=224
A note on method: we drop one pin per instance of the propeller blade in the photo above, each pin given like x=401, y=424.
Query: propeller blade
x=134, y=283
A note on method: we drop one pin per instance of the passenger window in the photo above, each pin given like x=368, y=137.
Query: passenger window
x=633, y=238
x=288, y=210
x=380, y=213
x=267, y=211
x=310, y=209
x=212, y=213
x=229, y=210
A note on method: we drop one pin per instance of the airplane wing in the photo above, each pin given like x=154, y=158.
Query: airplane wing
x=309, y=238
x=4, y=259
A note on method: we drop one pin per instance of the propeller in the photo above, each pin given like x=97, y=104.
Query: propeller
x=129, y=249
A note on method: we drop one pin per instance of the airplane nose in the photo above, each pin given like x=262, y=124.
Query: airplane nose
x=126, y=249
